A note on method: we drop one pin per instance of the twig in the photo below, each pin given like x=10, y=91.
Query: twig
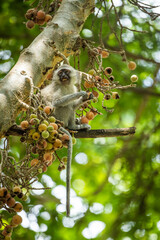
x=145, y=8
x=57, y=53
x=143, y=91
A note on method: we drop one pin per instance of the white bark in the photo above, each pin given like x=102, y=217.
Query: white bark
x=35, y=61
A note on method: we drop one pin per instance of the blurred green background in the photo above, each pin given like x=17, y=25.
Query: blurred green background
x=115, y=191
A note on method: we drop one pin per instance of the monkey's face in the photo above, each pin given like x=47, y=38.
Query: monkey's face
x=64, y=76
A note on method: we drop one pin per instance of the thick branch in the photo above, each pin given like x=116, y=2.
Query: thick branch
x=35, y=61
x=116, y=132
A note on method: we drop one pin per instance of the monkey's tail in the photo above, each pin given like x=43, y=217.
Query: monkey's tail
x=68, y=173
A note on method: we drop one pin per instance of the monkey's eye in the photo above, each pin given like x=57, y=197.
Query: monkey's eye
x=60, y=71
x=68, y=71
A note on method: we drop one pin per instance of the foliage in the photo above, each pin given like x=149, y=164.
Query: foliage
x=115, y=181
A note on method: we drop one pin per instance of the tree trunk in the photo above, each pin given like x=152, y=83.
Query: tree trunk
x=36, y=60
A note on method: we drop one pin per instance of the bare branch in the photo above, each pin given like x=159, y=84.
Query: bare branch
x=146, y=8
x=144, y=91
x=98, y=133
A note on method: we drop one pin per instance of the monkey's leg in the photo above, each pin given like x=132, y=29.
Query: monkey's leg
x=68, y=174
x=67, y=99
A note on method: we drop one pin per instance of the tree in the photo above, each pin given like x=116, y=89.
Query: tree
x=130, y=208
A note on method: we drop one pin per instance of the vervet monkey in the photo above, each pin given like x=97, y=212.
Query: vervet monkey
x=62, y=94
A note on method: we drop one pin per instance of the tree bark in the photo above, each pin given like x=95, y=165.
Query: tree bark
x=98, y=133
x=35, y=61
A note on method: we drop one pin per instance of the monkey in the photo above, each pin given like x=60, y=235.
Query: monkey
x=63, y=96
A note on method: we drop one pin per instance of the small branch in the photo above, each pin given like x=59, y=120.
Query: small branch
x=144, y=91
x=15, y=131
x=58, y=53
x=97, y=133
x=129, y=54
x=145, y=8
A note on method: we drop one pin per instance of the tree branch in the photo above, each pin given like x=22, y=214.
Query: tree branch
x=95, y=133
x=129, y=54
x=143, y=91
x=98, y=133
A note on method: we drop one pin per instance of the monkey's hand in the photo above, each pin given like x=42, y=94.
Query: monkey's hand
x=87, y=96
x=90, y=95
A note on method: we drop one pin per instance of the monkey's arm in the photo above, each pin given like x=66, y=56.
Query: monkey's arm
x=66, y=100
